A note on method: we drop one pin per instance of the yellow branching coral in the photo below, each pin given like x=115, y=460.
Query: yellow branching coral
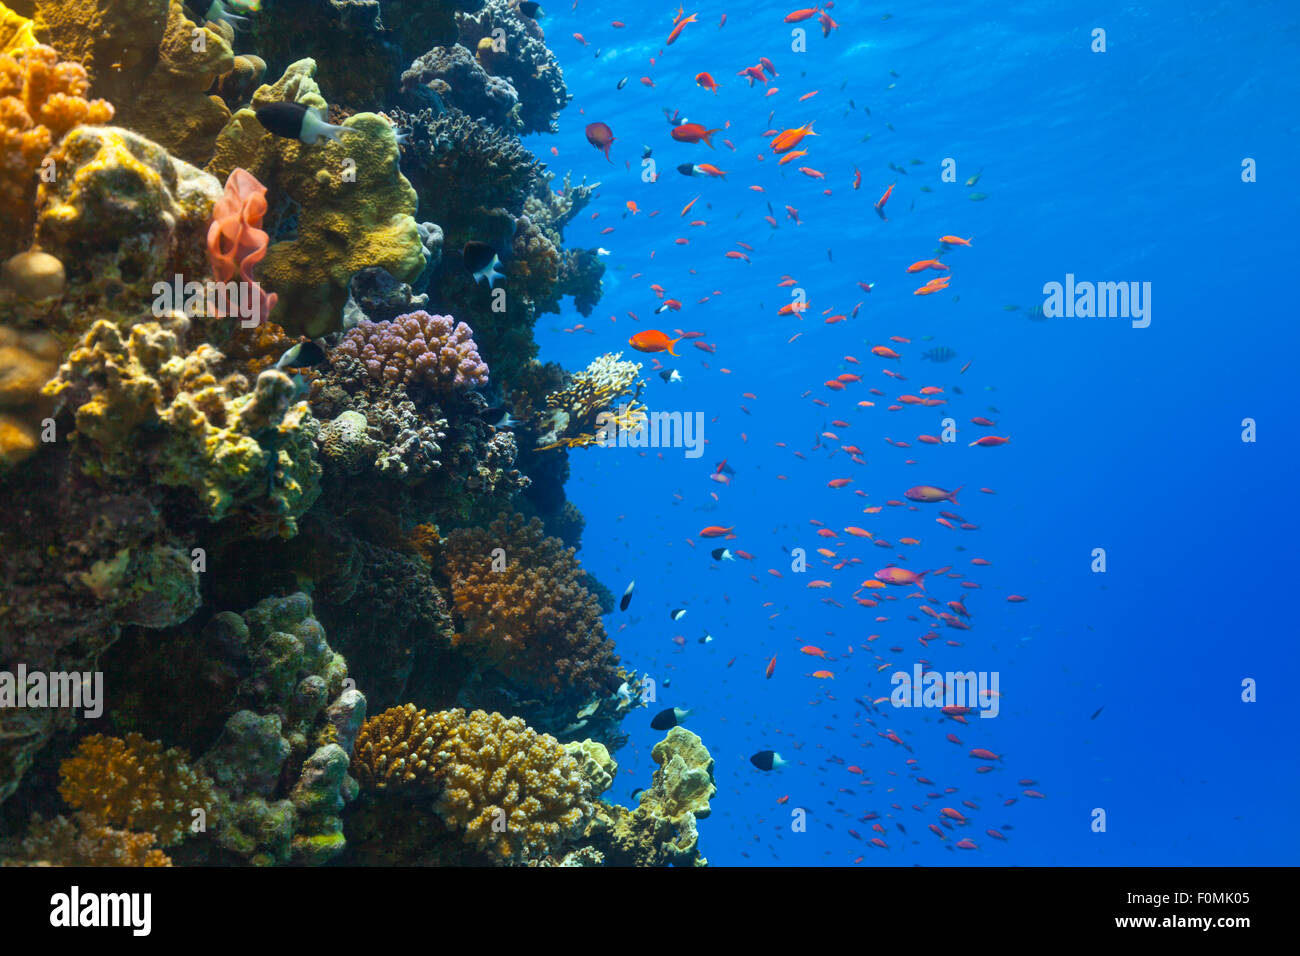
x=134, y=783
x=41, y=98
x=513, y=793
x=572, y=416
x=89, y=841
x=528, y=613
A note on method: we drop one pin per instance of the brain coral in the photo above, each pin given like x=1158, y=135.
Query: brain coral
x=514, y=794
x=134, y=783
x=418, y=347
x=534, y=621
x=41, y=99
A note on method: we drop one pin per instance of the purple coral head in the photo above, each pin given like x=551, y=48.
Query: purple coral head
x=435, y=350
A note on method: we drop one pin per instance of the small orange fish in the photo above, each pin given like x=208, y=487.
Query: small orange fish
x=790, y=138
x=652, y=340
x=708, y=82
x=927, y=264
x=771, y=666
x=812, y=173
x=677, y=30
x=715, y=531
x=824, y=675
x=694, y=133
x=788, y=157
x=631, y=207
x=798, y=16
x=955, y=240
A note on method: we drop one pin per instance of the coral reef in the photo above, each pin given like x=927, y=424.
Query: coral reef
x=27, y=361
x=513, y=793
x=525, y=611
x=431, y=350
x=525, y=62
x=41, y=99
x=86, y=840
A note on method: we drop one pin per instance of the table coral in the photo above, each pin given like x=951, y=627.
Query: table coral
x=147, y=410
x=135, y=784
x=513, y=793
x=354, y=208
x=534, y=621
x=41, y=99
x=151, y=61
x=418, y=348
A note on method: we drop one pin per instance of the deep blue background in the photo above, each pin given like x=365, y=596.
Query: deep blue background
x=1117, y=166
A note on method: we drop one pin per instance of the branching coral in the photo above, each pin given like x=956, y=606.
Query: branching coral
x=572, y=416
x=531, y=68
x=147, y=409
x=418, y=348
x=87, y=840
x=134, y=783
x=151, y=61
x=513, y=793
x=533, y=619
x=457, y=79
x=355, y=209
x=41, y=99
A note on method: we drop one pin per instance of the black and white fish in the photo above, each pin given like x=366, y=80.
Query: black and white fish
x=768, y=760
x=667, y=719
x=302, y=355
x=298, y=121
x=482, y=262
x=627, y=596
x=670, y=375
x=677, y=614
x=723, y=554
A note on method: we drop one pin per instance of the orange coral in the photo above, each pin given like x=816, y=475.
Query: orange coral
x=41, y=99
x=535, y=621
x=89, y=842
x=513, y=793
x=134, y=783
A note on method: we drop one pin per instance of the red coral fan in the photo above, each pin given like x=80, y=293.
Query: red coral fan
x=418, y=347
x=236, y=240
x=535, y=621
x=41, y=98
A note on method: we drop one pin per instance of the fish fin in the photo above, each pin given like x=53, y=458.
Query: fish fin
x=671, y=343
x=952, y=495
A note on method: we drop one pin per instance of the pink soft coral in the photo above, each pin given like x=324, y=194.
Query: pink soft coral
x=236, y=240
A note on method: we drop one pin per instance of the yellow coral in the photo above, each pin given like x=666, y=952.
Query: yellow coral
x=135, y=784
x=573, y=414
x=513, y=793
x=15, y=31
x=41, y=99
x=27, y=361
x=152, y=61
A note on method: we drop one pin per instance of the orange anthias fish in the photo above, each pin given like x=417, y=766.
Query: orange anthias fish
x=710, y=170
x=708, y=82
x=754, y=73
x=824, y=675
x=798, y=16
x=677, y=30
x=652, y=340
x=790, y=138
x=600, y=136
x=927, y=264
x=901, y=577
x=771, y=666
x=880, y=203
x=955, y=240
x=715, y=531
x=789, y=157
x=693, y=133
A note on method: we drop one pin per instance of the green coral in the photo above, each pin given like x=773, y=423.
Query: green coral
x=354, y=208
x=143, y=405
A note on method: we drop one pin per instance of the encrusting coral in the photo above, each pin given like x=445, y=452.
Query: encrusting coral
x=41, y=99
x=532, y=620
x=354, y=209
x=146, y=409
x=135, y=784
x=511, y=792
x=432, y=350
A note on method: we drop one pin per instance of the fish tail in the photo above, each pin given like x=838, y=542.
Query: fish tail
x=671, y=343
x=952, y=495
x=920, y=580
x=707, y=136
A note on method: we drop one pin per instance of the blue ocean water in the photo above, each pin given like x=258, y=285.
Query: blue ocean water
x=1123, y=165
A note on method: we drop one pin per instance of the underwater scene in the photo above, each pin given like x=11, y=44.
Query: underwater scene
x=492, y=433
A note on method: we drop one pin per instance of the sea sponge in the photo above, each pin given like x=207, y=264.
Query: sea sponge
x=513, y=793
x=41, y=99
x=27, y=361
x=352, y=206
x=433, y=350
x=152, y=61
x=597, y=766
x=572, y=414
x=148, y=411
x=236, y=240
x=135, y=784
x=533, y=621
x=684, y=781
